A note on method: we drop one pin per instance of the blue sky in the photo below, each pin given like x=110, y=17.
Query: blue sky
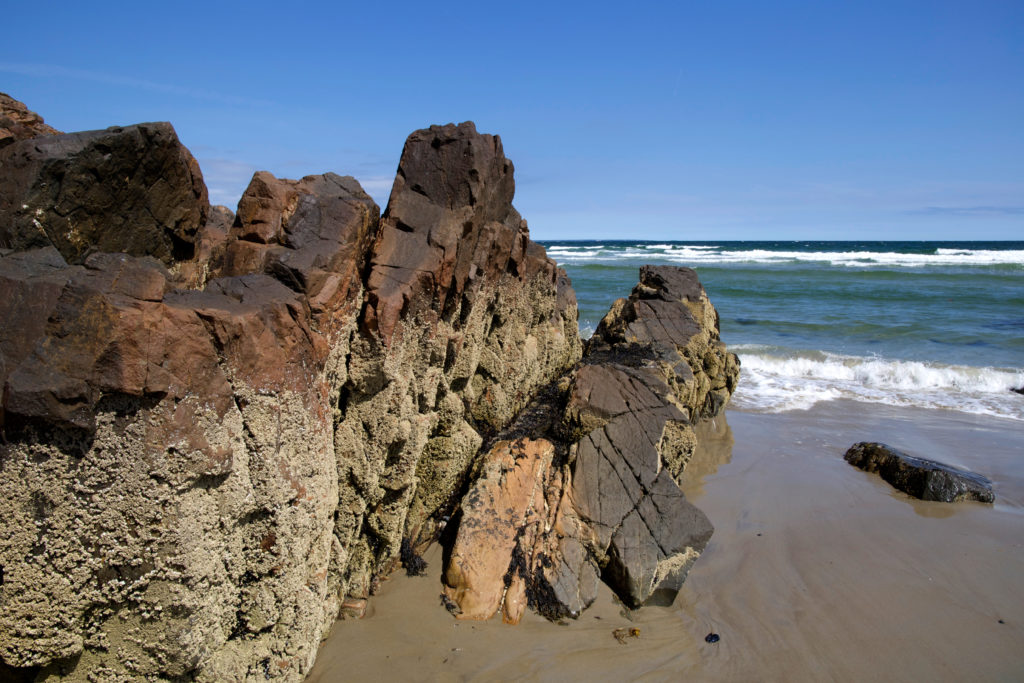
x=699, y=121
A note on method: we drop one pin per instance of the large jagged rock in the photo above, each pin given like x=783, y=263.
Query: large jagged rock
x=623, y=423
x=919, y=477
x=312, y=235
x=220, y=429
x=18, y=122
x=210, y=439
x=169, y=474
x=465, y=320
x=132, y=189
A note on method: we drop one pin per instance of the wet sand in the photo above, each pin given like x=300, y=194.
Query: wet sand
x=816, y=572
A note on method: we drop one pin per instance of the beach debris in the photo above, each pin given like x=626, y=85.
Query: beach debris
x=918, y=477
x=352, y=608
x=413, y=562
x=712, y=638
x=622, y=633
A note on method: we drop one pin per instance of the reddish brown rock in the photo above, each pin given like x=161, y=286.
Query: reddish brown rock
x=311, y=234
x=444, y=230
x=17, y=122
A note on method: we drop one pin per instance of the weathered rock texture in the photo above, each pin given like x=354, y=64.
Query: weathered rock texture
x=219, y=431
x=465, y=319
x=610, y=506
x=134, y=189
x=918, y=477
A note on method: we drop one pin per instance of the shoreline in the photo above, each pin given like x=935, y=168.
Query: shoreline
x=816, y=571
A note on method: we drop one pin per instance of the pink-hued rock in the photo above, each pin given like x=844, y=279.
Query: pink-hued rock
x=507, y=493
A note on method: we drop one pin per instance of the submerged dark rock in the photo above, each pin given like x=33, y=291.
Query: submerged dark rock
x=918, y=477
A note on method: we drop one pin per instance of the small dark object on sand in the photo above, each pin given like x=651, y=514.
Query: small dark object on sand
x=712, y=638
x=918, y=477
x=622, y=633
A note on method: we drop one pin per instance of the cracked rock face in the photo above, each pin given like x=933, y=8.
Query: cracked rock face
x=222, y=430
x=622, y=424
x=219, y=429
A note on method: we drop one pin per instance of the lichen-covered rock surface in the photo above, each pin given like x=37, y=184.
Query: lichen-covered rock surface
x=221, y=430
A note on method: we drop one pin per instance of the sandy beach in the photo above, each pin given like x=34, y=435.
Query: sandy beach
x=816, y=571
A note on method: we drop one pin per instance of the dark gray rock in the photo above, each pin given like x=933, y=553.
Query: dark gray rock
x=918, y=477
x=134, y=189
x=643, y=528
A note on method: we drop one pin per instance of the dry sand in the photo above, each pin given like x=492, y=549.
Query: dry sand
x=816, y=572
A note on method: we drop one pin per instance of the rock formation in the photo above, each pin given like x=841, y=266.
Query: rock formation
x=610, y=507
x=918, y=477
x=18, y=123
x=222, y=430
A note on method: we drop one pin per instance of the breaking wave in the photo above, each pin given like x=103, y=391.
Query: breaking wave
x=777, y=380
x=693, y=254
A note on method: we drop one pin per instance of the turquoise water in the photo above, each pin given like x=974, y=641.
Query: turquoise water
x=929, y=324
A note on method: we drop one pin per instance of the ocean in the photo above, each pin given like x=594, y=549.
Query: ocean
x=935, y=325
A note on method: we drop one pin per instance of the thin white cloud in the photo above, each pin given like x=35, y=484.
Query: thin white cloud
x=226, y=179
x=378, y=187
x=56, y=71
x=971, y=211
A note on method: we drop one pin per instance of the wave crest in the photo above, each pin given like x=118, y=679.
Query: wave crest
x=773, y=380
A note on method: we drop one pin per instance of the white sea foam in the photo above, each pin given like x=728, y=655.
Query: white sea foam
x=561, y=254
x=774, y=380
x=979, y=257
x=705, y=254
